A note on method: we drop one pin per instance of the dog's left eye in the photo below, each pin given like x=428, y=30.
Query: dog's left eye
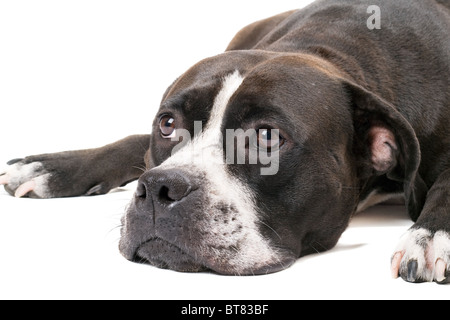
x=270, y=139
x=167, y=127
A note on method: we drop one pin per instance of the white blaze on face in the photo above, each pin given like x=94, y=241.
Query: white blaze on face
x=204, y=155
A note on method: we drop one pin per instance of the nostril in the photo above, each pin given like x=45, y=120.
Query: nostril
x=164, y=195
x=164, y=187
x=141, y=191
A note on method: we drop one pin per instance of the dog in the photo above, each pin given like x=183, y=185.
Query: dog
x=262, y=154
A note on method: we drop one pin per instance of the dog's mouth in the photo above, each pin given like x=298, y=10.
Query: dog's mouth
x=164, y=255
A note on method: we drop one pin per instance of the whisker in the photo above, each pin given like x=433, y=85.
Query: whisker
x=141, y=168
x=116, y=227
x=323, y=247
x=350, y=187
x=272, y=230
x=315, y=249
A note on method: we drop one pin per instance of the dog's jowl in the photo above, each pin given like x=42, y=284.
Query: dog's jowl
x=262, y=154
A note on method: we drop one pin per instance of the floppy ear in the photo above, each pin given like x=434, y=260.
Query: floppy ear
x=387, y=145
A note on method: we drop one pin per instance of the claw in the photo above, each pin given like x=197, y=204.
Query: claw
x=13, y=161
x=395, y=264
x=412, y=271
x=440, y=269
x=25, y=188
x=4, y=179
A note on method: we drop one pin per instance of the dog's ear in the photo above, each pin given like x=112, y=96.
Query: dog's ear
x=386, y=144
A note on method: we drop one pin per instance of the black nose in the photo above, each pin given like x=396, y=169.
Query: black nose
x=164, y=186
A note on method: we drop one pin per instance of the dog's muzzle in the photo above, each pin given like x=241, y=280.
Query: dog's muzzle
x=153, y=221
x=182, y=222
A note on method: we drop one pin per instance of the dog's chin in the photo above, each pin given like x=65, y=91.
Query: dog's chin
x=164, y=255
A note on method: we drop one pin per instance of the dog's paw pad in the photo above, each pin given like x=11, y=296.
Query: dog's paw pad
x=422, y=256
x=25, y=179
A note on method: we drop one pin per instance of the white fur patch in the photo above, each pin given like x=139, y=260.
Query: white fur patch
x=441, y=244
x=413, y=245
x=432, y=254
x=19, y=174
x=204, y=155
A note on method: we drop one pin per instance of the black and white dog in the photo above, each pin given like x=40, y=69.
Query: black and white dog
x=262, y=154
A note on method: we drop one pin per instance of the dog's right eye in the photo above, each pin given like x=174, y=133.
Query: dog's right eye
x=167, y=127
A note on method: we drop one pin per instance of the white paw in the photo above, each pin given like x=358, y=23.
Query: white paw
x=21, y=179
x=422, y=256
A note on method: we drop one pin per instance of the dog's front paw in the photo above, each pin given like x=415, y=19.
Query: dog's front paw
x=56, y=175
x=24, y=177
x=422, y=256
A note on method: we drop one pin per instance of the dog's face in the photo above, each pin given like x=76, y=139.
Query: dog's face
x=198, y=207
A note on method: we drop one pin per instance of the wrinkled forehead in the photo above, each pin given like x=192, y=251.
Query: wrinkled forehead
x=292, y=94
x=206, y=76
x=207, y=143
x=193, y=94
x=241, y=87
x=210, y=102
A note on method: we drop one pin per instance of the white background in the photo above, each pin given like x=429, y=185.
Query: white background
x=79, y=74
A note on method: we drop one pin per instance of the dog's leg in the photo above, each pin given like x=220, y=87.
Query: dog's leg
x=76, y=173
x=424, y=251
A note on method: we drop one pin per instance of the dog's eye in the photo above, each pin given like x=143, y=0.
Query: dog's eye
x=167, y=127
x=270, y=139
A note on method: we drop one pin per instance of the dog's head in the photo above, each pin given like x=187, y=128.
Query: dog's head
x=255, y=161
